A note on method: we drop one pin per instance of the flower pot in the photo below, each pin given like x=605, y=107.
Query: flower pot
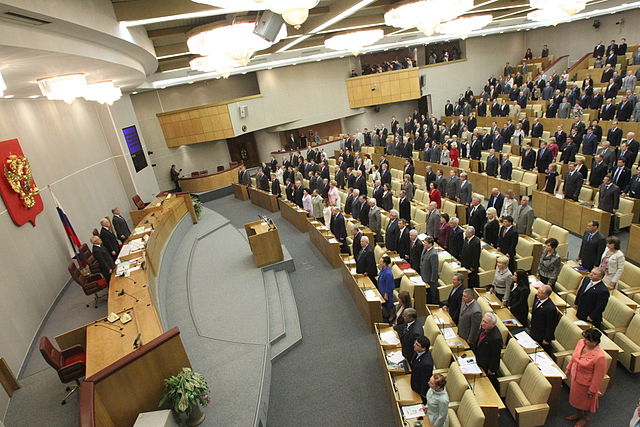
x=196, y=417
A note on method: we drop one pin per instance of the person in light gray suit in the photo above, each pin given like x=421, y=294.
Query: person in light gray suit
x=608, y=154
x=436, y=151
x=429, y=268
x=564, y=109
x=433, y=220
x=609, y=197
x=408, y=187
x=525, y=217
x=629, y=82
x=470, y=317
x=452, y=185
x=375, y=223
x=465, y=190
x=573, y=181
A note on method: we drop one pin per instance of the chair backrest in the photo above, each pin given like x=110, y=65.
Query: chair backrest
x=431, y=329
x=517, y=175
x=529, y=178
x=456, y=383
x=51, y=355
x=95, y=232
x=487, y=260
x=446, y=275
x=626, y=206
x=397, y=272
x=541, y=227
x=138, y=201
x=515, y=358
x=419, y=194
x=378, y=251
x=567, y=333
x=633, y=331
x=534, y=385
x=569, y=278
x=449, y=208
x=585, y=195
x=618, y=313
x=469, y=412
x=421, y=216
x=75, y=273
x=558, y=233
x=441, y=353
x=630, y=276
x=524, y=247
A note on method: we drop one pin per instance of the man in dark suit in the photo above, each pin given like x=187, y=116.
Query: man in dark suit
x=104, y=258
x=366, y=262
x=592, y=246
x=614, y=135
x=598, y=51
x=537, y=129
x=429, y=269
x=421, y=367
x=298, y=192
x=496, y=200
x=109, y=240
x=609, y=196
x=633, y=189
x=608, y=110
x=289, y=190
x=625, y=108
x=404, y=206
x=356, y=235
x=611, y=90
x=492, y=163
x=544, y=158
x=506, y=167
x=592, y=298
x=243, y=176
x=363, y=216
x=475, y=151
x=275, y=186
x=455, y=297
x=476, y=215
x=409, y=331
x=589, y=142
x=544, y=318
x=448, y=108
x=403, y=239
x=598, y=171
x=528, y=157
x=360, y=183
x=262, y=182
x=625, y=154
x=470, y=255
x=621, y=175
x=488, y=346
x=482, y=108
x=596, y=100
x=415, y=250
x=120, y=224
x=508, y=240
x=385, y=174
x=573, y=181
x=607, y=73
x=338, y=229
x=392, y=232
x=378, y=192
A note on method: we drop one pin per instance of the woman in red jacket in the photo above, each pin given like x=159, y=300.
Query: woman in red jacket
x=586, y=369
x=434, y=194
x=454, y=153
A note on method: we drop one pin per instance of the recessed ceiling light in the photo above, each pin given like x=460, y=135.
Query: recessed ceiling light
x=34, y=96
x=8, y=96
x=134, y=93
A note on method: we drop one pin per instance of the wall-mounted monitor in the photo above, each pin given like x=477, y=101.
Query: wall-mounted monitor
x=135, y=148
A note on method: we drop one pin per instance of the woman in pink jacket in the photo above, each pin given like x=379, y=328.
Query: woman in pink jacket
x=586, y=369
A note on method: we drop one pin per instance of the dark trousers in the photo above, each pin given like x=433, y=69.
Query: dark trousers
x=474, y=281
x=432, y=295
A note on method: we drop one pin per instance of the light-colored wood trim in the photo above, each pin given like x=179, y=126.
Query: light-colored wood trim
x=8, y=380
x=438, y=64
x=230, y=101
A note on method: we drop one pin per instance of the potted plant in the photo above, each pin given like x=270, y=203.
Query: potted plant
x=186, y=392
x=197, y=205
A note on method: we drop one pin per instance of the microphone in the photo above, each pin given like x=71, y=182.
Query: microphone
x=137, y=342
x=128, y=278
x=114, y=330
x=123, y=292
x=142, y=266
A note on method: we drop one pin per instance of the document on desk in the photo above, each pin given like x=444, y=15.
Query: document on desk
x=370, y=295
x=390, y=337
x=353, y=271
x=333, y=240
x=438, y=321
x=409, y=271
x=323, y=227
x=525, y=340
x=413, y=411
x=417, y=280
x=468, y=365
x=395, y=357
x=581, y=323
x=448, y=333
x=397, y=259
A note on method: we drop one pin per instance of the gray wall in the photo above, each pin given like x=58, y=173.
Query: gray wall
x=69, y=148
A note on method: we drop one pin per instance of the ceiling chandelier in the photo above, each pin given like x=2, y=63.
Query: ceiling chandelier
x=294, y=12
x=464, y=26
x=216, y=63
x=66, y=87
x=103, y=92
x=554, y=11
x=354, y=41
x=426, y=15
x=3, y=86
x=237, y=41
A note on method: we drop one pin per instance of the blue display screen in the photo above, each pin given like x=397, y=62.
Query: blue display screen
x=132, y=138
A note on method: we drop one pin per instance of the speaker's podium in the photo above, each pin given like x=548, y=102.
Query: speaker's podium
x=264, y=241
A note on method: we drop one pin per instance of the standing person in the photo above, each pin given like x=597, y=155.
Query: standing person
x=455, y=298
x=434, y=194
x=438, y=401
x=386, y=286
x=375, y=222
x=339, y=229
x=404, y=302
x=592, y=298
x=502, y=280
x=409, y=331
x=518, y=299
x=444, y=231
x=120, y=224
x=551, y=180
x=470, y=255
x=544, y=318
x=612, y=262
x=421, y=367
x=524, y=217
x=488, y=346
x=470, y=317
x=326, y=212
x=366, y=262
x=491, y=227
x=429, y=268
x=508, y=240
x=307, y=202
x=587, y=369
x=592, y=246
x=550, y=263
x=175, y=178
x=102, y=255
x=108, y=238
x=316, y=202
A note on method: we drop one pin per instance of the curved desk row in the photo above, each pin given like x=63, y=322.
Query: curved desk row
x=212, y=181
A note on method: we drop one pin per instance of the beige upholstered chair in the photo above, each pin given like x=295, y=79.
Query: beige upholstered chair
x=624, y=215
x=567, y=283
x=419, y=194
x=487, y=268
x=630, y=279
x=616, y=317
x=431, y=329
x=629, y=342
x=396, y=201
x=561, y=235
x=567, y=335
x=512, y=364
x=468, y=414
x=379, y=251
x=419, y=221
x=441, y=353
x=540, y=229
x=449, y=207
x=405, y=285
x=586, y=195
x=527, y=398
x=419, y=181
x=524, y=251
x=456, y=385
x=445, y=281
x=517, y=174
x=529, y=183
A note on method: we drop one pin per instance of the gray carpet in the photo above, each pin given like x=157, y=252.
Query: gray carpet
x=332, y=378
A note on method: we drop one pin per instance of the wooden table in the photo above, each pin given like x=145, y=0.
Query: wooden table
x=633, y=249
x=240, y=191
x=265, y=243
x=210, y=182
x=326, y=243
x=370, y=309
x=263, y=199
x=294, y=214
x=536, y=253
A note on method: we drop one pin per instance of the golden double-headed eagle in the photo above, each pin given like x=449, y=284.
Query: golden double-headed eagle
x=18, y=172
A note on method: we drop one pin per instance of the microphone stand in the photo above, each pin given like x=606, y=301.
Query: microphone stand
x=128, y=278
x=123, y=292
x=113, y=330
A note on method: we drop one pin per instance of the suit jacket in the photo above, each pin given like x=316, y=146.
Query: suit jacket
x=408, y=335
x=608, y=112
x=505, y=170
x=469, y=324
x=429, y=266
x=105, y=260
x=385, y=177
x=591, y=249
x=591, y=303
x=356, y=248
x=487, y=351
x=391, y=235
x=477, y=218
x=456, y=239
x=598, y=172
x=536, y=130
x=374, y=220
x=589, y=143
x=572, y=185
x=404, y=242
x=263, y=182
x=622, y=177
x=366, y=263
x=528, y=159
x=624, y=111
x=496, y=202
x=298, y=192
x=544, y=319
x=518, y=304
x=244, y=178
x=609, y=198
x=110, y=242
x=452, y=187
x=470, y=253
x=433, y=223
x=524, y=220
x=421, y=371
x=465, y=191
x=543, y=160
x=492, y=166
x=507, y=241
x=453, y=303
x=121, y=226
x=404, y=209
x=476, y=149
x=633, y=189
x=364, y=214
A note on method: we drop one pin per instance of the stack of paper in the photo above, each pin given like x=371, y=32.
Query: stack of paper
x=581, y=323
x=395, y=357
x=333, y=240
x=350, y=261
x=413, y=411
x=353, y=271
x=448, y=333
x=370, y=295
x=438, y=321
x=323, y=227
x=546, y=365
x=397, y=259
x=469, y=366
x=417, y=280
x=390, y=337
x=525, y=340
x=409, y=270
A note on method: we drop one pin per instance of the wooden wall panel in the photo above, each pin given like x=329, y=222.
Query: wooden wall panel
x=201, y=124
x=392, y=86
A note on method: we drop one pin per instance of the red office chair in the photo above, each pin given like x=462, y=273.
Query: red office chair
x=95, y=232
x=91, y=285
x=85, y=258
x=204, y=172
x=70, y=363
x=138, y=202
x=220, y=168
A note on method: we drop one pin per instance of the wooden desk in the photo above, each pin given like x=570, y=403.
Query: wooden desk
x=294, y=214
x=488, y=399
x=154, y=206
x=240, y=191
x=503, y=186
x=633, y=249
x=263, y=199
x=264, y=242
x=357, y=284
x=536, y=253
x=572, y=216
x=326, y=243
x=210, y=182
